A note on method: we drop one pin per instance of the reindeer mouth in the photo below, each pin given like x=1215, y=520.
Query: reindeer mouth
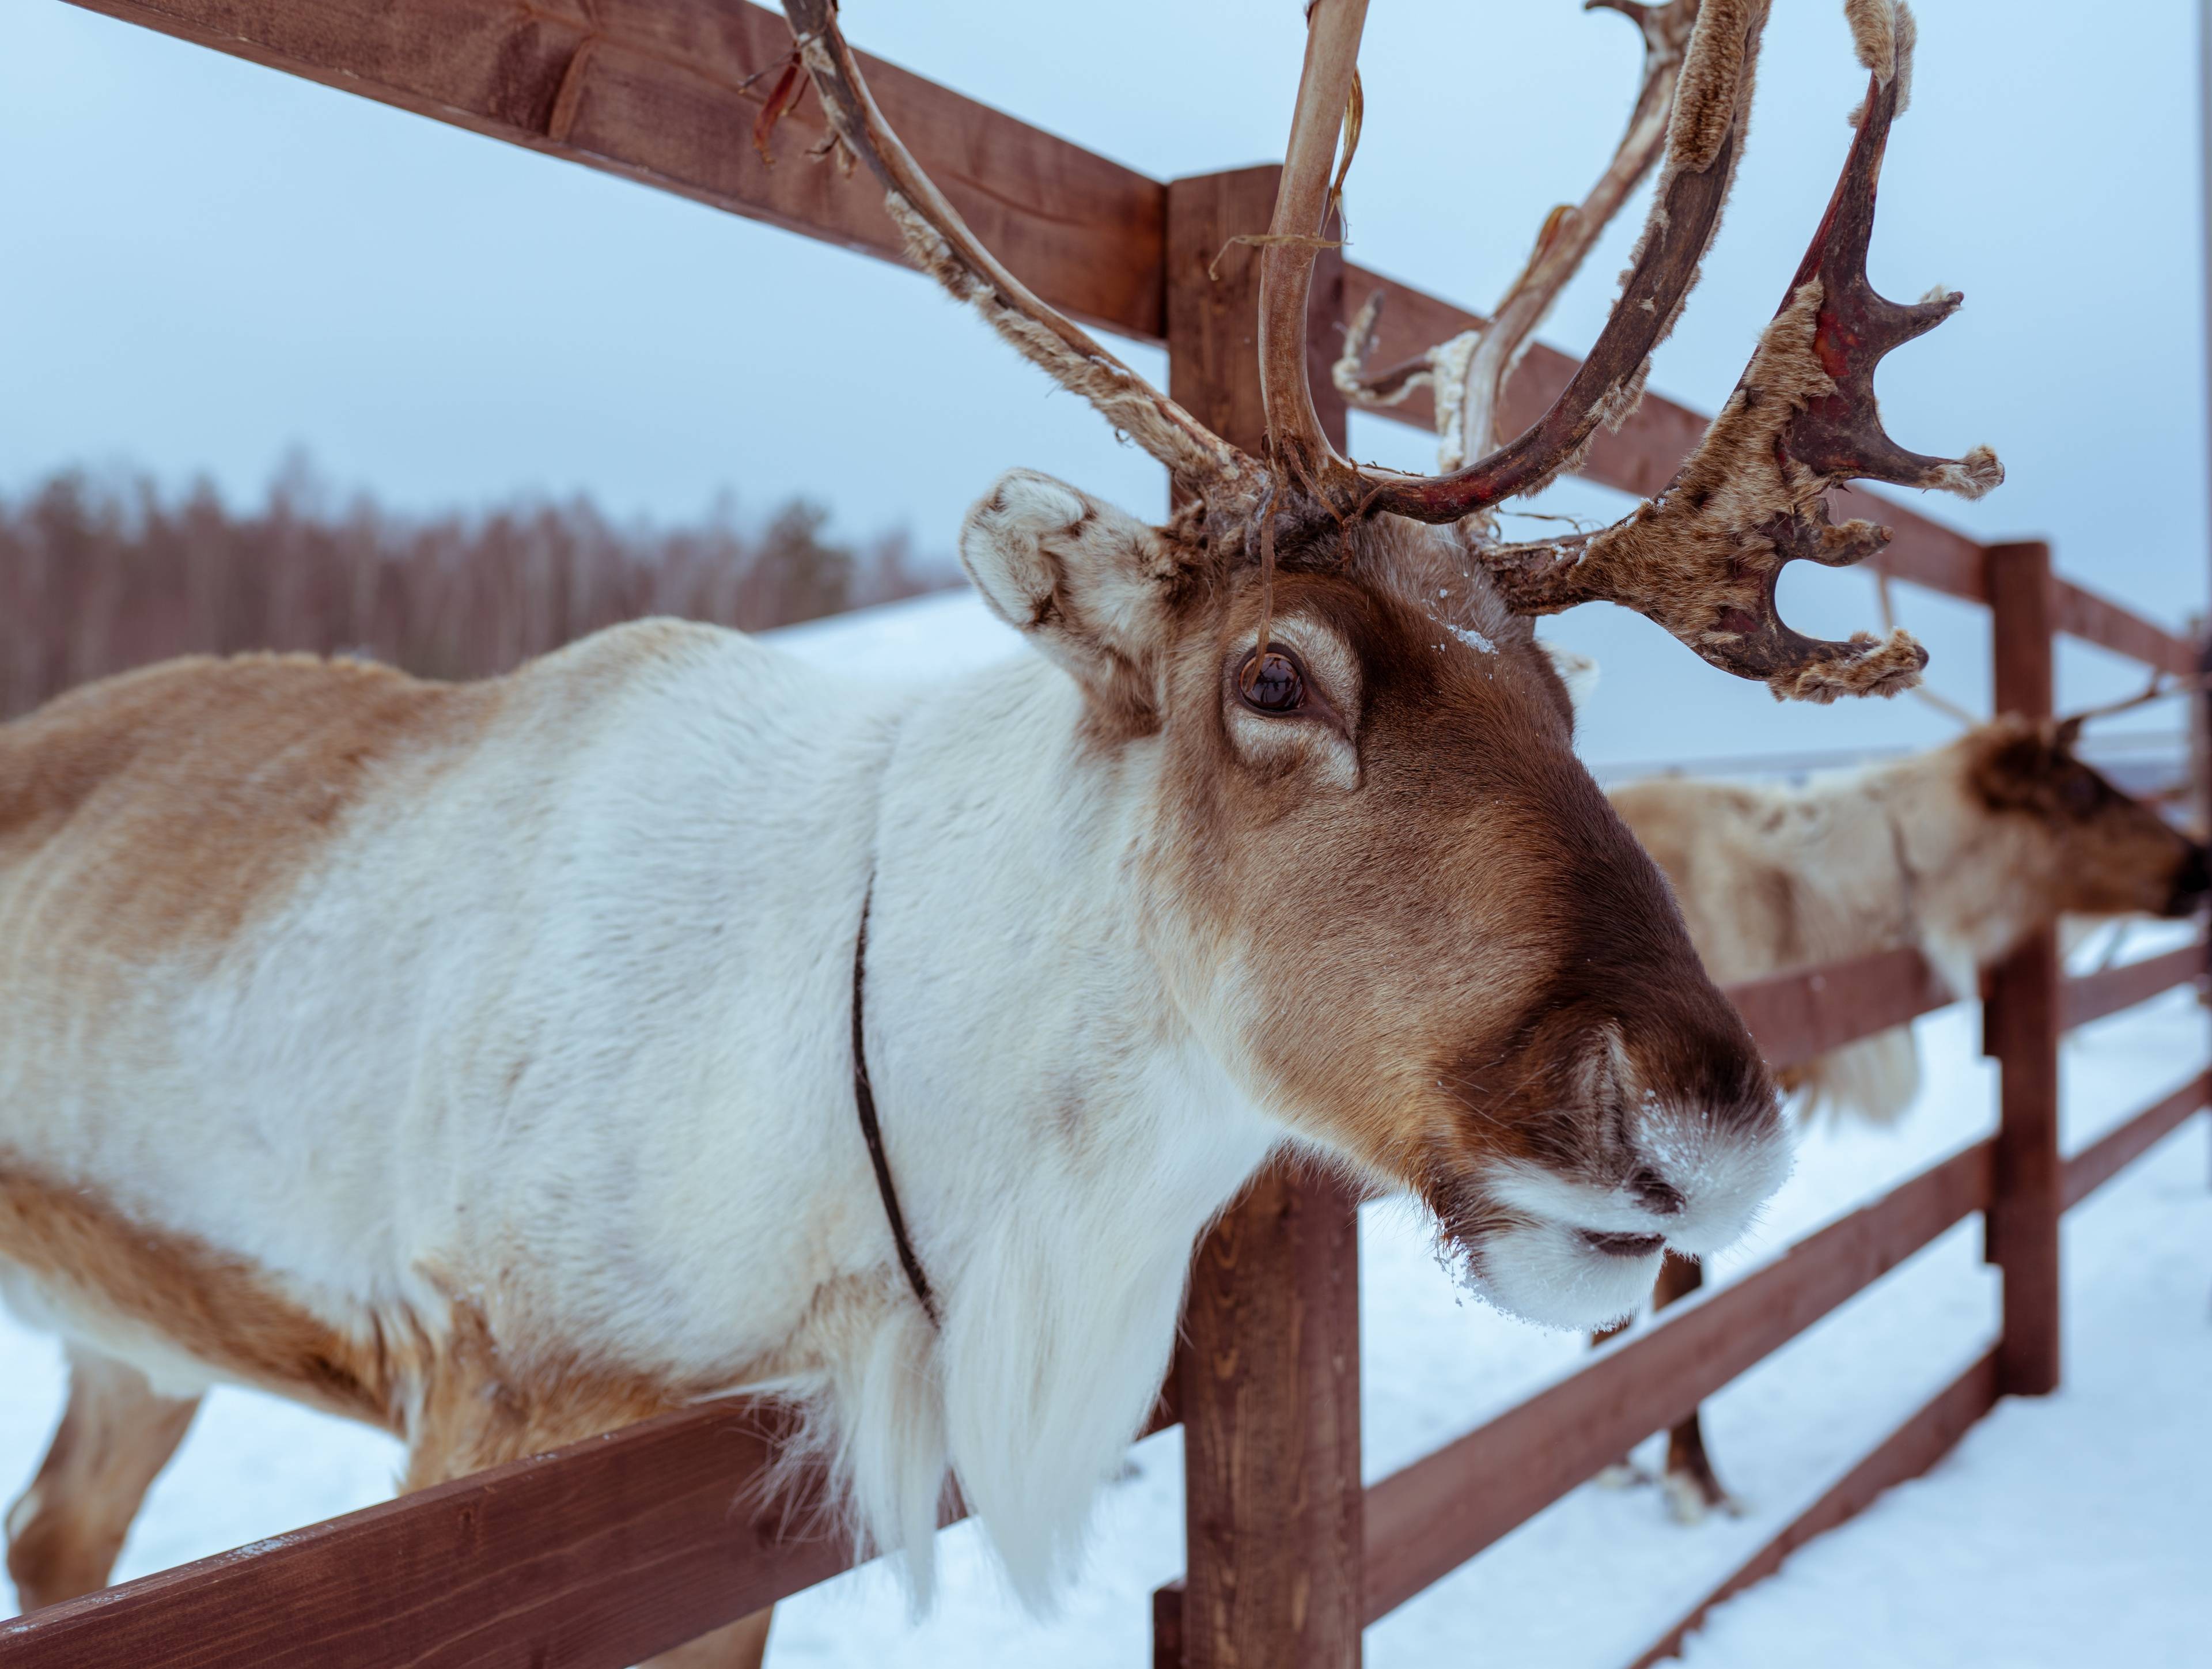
x=1562, y=1251
x=1622, y=1246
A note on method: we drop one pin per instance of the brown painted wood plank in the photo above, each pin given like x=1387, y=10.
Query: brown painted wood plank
x=1431, y=1518
x=1906, y=1452
x=1167, y=1625
x=592, y=1557
x=1795, y=1016
x=601, y=1553
x=1268, y=1384
x=1267, y=1380
x=653, y=90
x=2021, y=1020
x=2113, y=1152
x=2093, y=996
x=2081, y=612
x=1922, y=550
x=1640, y=459
x=1643, y=455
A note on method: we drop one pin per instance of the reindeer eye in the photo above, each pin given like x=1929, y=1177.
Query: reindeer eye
x=1272, y=683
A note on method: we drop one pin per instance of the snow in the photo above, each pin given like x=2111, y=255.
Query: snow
x=925, y=638
x=1474, y=640
x=2064, y=1531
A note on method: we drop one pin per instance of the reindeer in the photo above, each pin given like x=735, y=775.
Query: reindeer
x=1962, y=852
x=499, y=1064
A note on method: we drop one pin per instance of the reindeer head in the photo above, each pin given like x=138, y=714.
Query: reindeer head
x=2071, y=839
x=1377, y=880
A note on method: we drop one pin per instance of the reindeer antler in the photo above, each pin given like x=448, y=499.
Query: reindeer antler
x=1469, y=372
x=1704, y=139
x=1703, y=557
x=2160, y=688
x=939, y=242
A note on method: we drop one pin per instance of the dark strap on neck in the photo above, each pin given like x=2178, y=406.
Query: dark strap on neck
x=865, y=1095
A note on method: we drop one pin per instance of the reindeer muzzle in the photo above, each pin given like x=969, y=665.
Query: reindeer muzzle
x=2191, y=882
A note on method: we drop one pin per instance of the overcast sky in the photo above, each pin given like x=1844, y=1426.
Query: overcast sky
x=208, y=263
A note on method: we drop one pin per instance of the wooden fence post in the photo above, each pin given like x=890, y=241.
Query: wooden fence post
x=1267, y=1383
x=2021, y=1023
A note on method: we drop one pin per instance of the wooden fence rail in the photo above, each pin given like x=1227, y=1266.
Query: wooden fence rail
x=593, y=1557
x=1797, y=1015
x=599, y=1554
x=2093, y=996
x=1929, y=1434
x=2105, y=1158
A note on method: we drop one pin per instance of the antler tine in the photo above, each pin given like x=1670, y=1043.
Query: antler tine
x=1840, y=434
x=1295, y=235
x=1374, y=389
x=2160, y=688
x=939, y=243
x=1703, y=558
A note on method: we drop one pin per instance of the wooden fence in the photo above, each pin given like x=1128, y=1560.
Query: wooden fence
x=605, y=1552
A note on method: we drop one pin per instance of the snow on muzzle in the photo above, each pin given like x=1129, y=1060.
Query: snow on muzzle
x=1563, y=1250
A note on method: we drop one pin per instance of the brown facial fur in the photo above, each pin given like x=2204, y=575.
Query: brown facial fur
x=1442, y=956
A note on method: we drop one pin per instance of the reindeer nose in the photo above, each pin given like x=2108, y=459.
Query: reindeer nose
x=1654, y=1193
x=2190, y=883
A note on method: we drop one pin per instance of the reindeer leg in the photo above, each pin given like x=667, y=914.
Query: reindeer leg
x=1624, y=1473
x=115, y=1436
x=741, y=1645
x=1692, y=1490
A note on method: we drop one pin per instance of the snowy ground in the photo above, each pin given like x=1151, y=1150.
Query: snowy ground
x=2072, y=1531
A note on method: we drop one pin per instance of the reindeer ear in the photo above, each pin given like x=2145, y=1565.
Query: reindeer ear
x=1578, y=672
x=1088, y=583
x=2019, y=764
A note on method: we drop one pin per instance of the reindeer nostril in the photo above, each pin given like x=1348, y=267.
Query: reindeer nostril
x=1654, y=1193
x=2190, y=883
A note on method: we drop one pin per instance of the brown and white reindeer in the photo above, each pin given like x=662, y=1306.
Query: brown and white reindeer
x=491, y=1063
x=1961, y=852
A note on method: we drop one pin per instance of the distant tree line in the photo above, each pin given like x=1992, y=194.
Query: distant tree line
x=98, y=575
